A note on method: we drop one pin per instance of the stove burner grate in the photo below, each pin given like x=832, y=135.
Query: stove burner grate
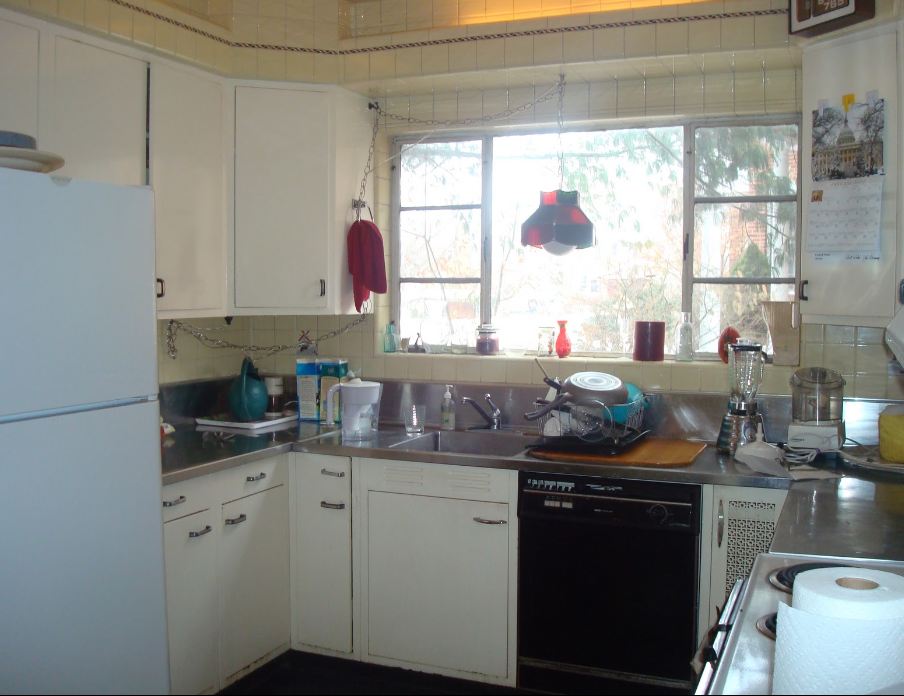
x=767, y=625
x=783, y=578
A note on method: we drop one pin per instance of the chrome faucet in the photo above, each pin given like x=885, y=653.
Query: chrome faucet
x=494, y=419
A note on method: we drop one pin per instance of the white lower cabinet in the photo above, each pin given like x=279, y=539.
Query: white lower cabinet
x=322, y=554
x=227, y=573
x=437, y=576
x=254, y=578
x=191, y=601
x=743, y=524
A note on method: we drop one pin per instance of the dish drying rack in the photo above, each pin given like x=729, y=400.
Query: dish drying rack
x=590, y=425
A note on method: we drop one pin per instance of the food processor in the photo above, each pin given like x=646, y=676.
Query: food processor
x=817, y=403
x=746, y=367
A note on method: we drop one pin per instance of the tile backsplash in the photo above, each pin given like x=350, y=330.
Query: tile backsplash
x=858, y=353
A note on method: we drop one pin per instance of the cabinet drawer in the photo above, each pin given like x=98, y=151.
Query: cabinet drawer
x=188, y=497
x=440, y=480
x=252, y=478
x=324, y=477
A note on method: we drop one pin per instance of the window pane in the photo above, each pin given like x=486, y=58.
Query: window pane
x=630, y=187
x=746, y=161
x=440, y=173
x=745, y=240
x=719, y=306
x=444, y=314
x=440, y=244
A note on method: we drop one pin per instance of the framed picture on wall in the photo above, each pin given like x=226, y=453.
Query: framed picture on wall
x=812, y=17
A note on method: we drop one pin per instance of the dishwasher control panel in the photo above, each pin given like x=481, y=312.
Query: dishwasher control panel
x=648, y=504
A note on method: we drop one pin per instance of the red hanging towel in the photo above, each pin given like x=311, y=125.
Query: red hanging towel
x=365, y=260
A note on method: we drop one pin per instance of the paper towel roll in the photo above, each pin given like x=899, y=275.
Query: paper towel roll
x=843, y=634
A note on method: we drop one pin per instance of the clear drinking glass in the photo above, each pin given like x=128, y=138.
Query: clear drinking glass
x=414, y=418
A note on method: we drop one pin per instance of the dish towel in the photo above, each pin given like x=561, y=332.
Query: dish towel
x=365, y=260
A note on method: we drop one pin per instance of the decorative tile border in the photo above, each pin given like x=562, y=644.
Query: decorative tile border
x=453, y=40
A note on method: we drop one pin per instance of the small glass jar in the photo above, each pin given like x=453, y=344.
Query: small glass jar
x=487, y=340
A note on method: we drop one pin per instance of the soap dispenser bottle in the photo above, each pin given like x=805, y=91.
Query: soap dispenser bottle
x=447, y=410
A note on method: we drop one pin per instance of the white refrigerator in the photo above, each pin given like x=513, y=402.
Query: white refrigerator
x=82, y=606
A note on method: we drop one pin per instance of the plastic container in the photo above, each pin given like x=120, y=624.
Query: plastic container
x=487, y=340
x=891, y=434
x=817, y=396
x=331, y=371
x=307, y=383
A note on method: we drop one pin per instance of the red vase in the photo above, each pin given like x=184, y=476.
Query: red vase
x=563, y=343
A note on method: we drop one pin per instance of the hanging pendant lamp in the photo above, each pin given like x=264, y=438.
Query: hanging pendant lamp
x=558, y=225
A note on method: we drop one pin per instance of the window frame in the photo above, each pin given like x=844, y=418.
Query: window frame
x=689, y=202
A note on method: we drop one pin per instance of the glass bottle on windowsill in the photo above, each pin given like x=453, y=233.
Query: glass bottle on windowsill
x=685, y=352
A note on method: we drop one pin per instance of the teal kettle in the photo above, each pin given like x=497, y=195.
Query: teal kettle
x=248, y=394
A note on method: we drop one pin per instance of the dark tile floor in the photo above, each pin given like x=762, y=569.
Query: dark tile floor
x=297, y=672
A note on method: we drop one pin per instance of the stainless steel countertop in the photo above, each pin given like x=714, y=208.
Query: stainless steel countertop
x=189, y=453
x=709, y=467
x=859, y=516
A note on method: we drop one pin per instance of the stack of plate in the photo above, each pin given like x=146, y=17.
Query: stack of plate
x=17, y=151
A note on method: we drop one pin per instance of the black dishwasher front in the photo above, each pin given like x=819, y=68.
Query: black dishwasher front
x=607, y=583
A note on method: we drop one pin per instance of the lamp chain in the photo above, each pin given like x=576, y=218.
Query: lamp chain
x=304, y=342
x=558, y=89
x=368, y=168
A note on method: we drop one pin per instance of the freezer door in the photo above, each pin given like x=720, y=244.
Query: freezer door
x=82, y=602
x=77, y=289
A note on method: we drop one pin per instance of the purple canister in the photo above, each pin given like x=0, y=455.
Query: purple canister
x=649, y=340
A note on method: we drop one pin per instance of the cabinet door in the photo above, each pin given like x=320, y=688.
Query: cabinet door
x=437, y=582
x=191, y=601
x=322, y=546
x=19, y=79
x=743, y=526
x=254, y=579
x=283, y=197
x=95, y=113
x=186, y=168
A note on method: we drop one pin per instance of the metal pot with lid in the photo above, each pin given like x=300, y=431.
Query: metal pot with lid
x=607, y=389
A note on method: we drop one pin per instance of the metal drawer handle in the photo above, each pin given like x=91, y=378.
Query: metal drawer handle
x=721, y=528
x=483, y=520
x=332, y=506
x=194, y=535
x=337, y=474
x=260, y=477
x=237, y=520
x=173, y=503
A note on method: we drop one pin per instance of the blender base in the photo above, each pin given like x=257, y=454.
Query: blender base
x=816, y=436
x=737, y=429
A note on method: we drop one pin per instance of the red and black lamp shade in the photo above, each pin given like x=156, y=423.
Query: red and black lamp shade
x=558, y=225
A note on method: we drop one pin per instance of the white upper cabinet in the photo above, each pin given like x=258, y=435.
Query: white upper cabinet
x=841, y=291
x=294, y=185
x=186, y=172
x=19, y=78
x=94, y=112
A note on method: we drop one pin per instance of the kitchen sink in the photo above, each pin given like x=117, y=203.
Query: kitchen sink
x=486, y=442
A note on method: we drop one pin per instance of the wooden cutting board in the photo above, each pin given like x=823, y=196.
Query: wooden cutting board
x=648, y=452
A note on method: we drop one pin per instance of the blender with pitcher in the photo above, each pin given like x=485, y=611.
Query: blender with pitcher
x=746, y=368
